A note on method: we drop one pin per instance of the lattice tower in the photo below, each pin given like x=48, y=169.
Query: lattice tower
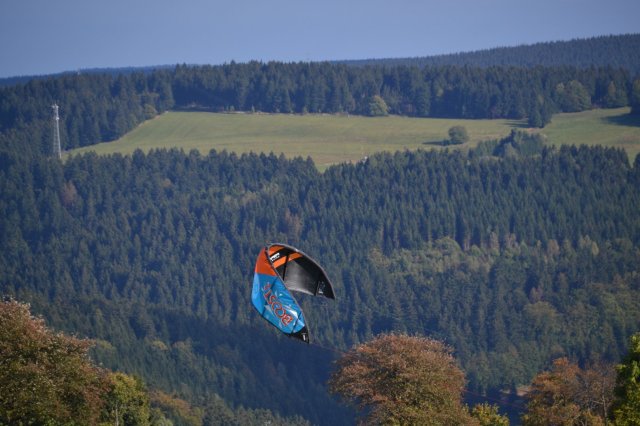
x=57, y=151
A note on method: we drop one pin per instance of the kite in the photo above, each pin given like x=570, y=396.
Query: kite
x=281, y=269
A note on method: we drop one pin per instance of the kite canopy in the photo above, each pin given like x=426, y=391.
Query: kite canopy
x=279, y=270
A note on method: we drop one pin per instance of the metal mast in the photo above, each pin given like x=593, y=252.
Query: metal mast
x=57, y=151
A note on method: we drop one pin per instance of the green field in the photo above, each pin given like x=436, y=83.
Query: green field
x=607, y=127
x=331, y=139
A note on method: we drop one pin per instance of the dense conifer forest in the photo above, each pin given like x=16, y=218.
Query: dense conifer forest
x=514, y=253
x=512, y=259
x=617, y=51
x=97, y=107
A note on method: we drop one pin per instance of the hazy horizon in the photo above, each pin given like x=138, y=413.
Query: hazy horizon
x=42, y=37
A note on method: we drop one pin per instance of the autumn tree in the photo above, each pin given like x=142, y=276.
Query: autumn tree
x=127, y=402
x=45, y=377
x=488, y=415
x=401, y=379
x=569, y=395
x=626, y=408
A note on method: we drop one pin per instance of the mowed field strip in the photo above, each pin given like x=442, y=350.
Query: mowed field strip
x=331, y=139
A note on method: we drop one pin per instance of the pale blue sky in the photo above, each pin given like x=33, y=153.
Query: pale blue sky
x=49, y=36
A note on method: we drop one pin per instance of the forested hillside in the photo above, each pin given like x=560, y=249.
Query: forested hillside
x=617, y=51
x=102, y=107
x=514, y=254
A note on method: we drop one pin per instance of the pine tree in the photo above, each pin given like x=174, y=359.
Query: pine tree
x=626, y=408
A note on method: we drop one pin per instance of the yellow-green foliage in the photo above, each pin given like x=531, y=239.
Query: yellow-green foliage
x=626, y=410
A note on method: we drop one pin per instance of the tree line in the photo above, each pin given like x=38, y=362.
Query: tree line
x=98, y=107
x=618, y=51
x=514, y=254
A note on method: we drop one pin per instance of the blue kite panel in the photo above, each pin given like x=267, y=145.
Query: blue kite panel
x=274, y=302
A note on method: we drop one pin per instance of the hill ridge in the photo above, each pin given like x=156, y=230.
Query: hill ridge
x=592, y=51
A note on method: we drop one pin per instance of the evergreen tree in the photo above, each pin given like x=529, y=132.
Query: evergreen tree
x=635, y=97
x=626, y=408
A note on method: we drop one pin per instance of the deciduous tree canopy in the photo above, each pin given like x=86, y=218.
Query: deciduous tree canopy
x=569, y=395
x=45, y=376
x=400, y=379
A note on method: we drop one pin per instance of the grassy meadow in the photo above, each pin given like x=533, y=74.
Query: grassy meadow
x=608, y=127
x=331, y=139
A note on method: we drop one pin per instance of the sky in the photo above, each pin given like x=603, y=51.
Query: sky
x=49, y=36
